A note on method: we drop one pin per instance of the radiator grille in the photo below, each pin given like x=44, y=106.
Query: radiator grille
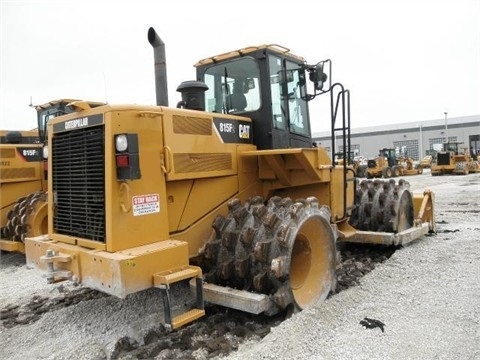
x=443, y=158
x=78, y=180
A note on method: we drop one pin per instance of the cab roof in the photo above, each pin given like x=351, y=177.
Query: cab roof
x=64, y=101
x=241, y=52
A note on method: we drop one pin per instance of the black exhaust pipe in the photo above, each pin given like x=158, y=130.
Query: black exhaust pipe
x=161, y=88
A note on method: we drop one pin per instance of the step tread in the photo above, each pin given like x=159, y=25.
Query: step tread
x=187, y=317
x=169, y=278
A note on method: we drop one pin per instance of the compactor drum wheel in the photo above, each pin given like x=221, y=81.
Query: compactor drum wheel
x=383, y=206
x=461, y=168
x=396, y=171
x=387, y=172
x=27, y=218
x=284, y=249
x=361, y=171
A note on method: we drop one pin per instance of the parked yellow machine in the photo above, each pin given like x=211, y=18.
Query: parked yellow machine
x=453, y=159
x=406, y=166
x=23, y=180
x=19, y=137
x=387, y=164
x=359, y=168
x=426, y=162
x=225, y=191
x=22, y=187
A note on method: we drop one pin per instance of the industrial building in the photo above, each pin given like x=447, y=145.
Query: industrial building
x=413, y=139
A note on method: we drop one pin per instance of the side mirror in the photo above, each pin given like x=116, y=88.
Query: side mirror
x=317, y=76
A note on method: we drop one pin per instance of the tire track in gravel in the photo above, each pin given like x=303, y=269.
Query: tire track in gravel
x=218, y=333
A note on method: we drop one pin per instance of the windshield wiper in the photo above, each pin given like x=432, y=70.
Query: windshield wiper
x=226, y=108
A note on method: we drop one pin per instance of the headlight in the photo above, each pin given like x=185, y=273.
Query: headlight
x=45, y=152
x=121, y=143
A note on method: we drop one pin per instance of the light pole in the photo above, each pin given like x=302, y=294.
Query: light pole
x=420, y=156
x=446, y=130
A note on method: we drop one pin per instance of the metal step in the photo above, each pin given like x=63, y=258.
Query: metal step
x=187, y=317
x=173, y=277
x=165, y=279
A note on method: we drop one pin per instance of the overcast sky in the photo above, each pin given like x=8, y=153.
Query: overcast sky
x=403, y=61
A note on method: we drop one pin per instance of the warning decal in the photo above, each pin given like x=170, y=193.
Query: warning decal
x=145, y=204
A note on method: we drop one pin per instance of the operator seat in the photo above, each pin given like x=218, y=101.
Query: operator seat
x=238, y=102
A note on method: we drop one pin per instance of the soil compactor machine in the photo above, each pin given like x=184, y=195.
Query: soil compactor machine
x=23, y=174
x=452, y=159
x=225, y=191
x=388, y=165
x=21, y=182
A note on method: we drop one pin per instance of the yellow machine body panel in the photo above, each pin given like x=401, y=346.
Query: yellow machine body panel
x=117, y=273
x=194, y=148
x=300, y=173
x=21, y=163
x=122, y=198
x=30, y=136
x=21, y=173
x=185, y=207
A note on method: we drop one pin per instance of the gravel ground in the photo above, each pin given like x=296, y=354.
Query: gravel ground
x=427, y=295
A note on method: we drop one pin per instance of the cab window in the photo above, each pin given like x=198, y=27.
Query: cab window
x=289, y=107
x=233, y=87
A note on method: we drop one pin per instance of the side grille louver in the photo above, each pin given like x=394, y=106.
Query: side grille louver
x=78, y=164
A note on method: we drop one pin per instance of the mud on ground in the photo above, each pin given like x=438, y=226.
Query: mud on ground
x=219, y=333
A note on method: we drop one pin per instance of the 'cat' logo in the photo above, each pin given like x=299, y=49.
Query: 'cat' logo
x=244, y=131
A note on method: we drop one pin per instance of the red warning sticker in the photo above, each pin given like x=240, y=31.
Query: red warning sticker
x=145, y=204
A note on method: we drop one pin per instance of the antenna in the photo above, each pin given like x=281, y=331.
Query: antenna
x=105, y=87
x=31, y=103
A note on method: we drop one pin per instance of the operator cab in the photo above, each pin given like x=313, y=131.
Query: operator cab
x=452, y=147
x=45, y=112
x=391, y=156
x=267, y=84
x=52, y=109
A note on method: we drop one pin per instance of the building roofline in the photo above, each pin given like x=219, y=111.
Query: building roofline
x=453, y=122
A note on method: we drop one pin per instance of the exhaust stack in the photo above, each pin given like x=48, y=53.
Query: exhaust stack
x=161, y=88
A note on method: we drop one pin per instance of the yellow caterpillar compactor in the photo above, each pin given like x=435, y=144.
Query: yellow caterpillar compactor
x=23, y=181
x=453, y=159
x=23, y=178
x=224, y=191
x=388, y=165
